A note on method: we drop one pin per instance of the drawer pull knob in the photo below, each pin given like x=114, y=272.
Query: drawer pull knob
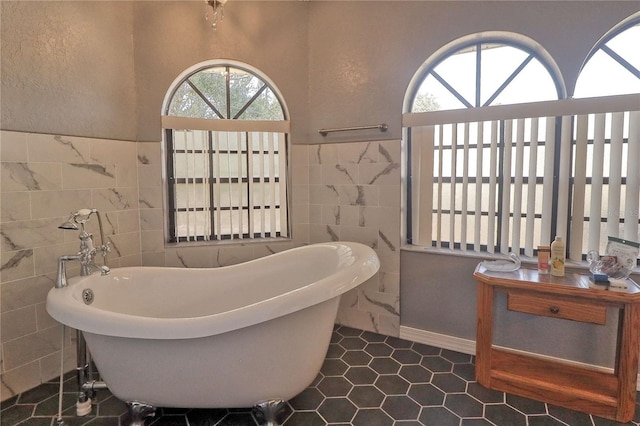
x=554, y=309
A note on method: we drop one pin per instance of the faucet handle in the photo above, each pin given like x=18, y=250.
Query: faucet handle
x=105, y=248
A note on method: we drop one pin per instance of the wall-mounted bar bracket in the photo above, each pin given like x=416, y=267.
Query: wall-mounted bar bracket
x=382, y=127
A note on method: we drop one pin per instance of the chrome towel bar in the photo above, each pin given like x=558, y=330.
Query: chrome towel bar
x=382, y=127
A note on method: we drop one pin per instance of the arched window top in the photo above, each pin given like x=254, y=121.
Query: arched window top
x=613, y=65
x=224, y=90
x=491, y=68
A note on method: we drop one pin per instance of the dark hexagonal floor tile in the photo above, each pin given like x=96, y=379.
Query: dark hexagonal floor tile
x=397, y=343
x=366, y=396
x=335, y=351
x=544, y=420
x=174, y=411
x=439, y=416
x=455, y=357
x=426, y=394
x=181, y=420
x=392, y=384
x=355, y=358
x=463, y=405
x=201, y=417
x=46, y=421
x=465, y=371
x=384, y=366
x=415, y=374
x=17, y=413
x=333, y=367
x=449, y=383
x=334, y=386
x=373, y=337
x=483, y=394
x=348, y=331
x=505, y=415
x=361, y=375
x=425, y=350
x=309, y=418
x=406, y=356
x=38, y=394
x=309, y=399
x=335, y=410
x=526, y=405
x=475, y=422
x=372, y=416
x=401, y=407
x=378, y=349
x=568, y=416
x=353, y=343
x=111, y=407
x=436, y=364
x=49, y=407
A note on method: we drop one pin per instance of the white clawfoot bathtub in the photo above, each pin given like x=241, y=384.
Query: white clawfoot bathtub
x=217, y=337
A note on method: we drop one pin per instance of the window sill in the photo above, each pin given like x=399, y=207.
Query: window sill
x=532, y=262
x=229, y=243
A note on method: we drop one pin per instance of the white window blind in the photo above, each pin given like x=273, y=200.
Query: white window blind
x=230, y=183
x=508, y=178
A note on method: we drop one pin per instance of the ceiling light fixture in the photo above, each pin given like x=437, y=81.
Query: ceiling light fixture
x=217, y=14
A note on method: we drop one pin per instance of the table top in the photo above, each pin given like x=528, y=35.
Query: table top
x=572, y=284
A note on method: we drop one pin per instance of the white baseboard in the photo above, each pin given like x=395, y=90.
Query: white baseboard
x=467, y=346
x=443, y=341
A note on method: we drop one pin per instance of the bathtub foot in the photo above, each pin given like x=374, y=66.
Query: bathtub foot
x=138, y=412
x=267, y=412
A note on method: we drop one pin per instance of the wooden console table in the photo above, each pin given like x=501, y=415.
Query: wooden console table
x=610, y=395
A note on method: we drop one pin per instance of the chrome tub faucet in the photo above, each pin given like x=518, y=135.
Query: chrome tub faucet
x=88, y=251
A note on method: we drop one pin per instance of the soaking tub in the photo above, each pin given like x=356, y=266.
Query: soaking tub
x=223, y=337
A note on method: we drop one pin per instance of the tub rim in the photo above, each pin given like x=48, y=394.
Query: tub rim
x=65, y=307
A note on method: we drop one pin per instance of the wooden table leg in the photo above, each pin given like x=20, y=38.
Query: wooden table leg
x=484, y=334
x=627, y=362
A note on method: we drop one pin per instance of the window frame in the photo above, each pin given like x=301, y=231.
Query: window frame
x=468, y=115
x=229, y=125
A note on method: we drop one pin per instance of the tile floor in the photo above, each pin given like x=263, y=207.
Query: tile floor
x=367, y=379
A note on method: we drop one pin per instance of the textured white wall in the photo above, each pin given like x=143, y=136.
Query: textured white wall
x=68, y=68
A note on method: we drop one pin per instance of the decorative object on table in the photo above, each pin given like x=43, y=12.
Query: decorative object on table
x=503, y=265
x=617, y=262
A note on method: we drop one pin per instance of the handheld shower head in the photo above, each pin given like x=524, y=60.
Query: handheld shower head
x=76, y=218
x=71, y=223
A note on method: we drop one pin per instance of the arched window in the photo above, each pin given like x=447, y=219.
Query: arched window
x=478, y=184
x=485, y=69
x=226, y=135
x=499, y=160
x=610, y=147
x=613, y=65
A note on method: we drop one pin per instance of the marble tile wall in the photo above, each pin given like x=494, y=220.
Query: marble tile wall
x=354, y=194
x=42, y=179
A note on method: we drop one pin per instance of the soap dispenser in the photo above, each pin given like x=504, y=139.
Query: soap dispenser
x=558, y=254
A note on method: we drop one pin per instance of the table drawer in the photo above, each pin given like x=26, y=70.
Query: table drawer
x=555, y=307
